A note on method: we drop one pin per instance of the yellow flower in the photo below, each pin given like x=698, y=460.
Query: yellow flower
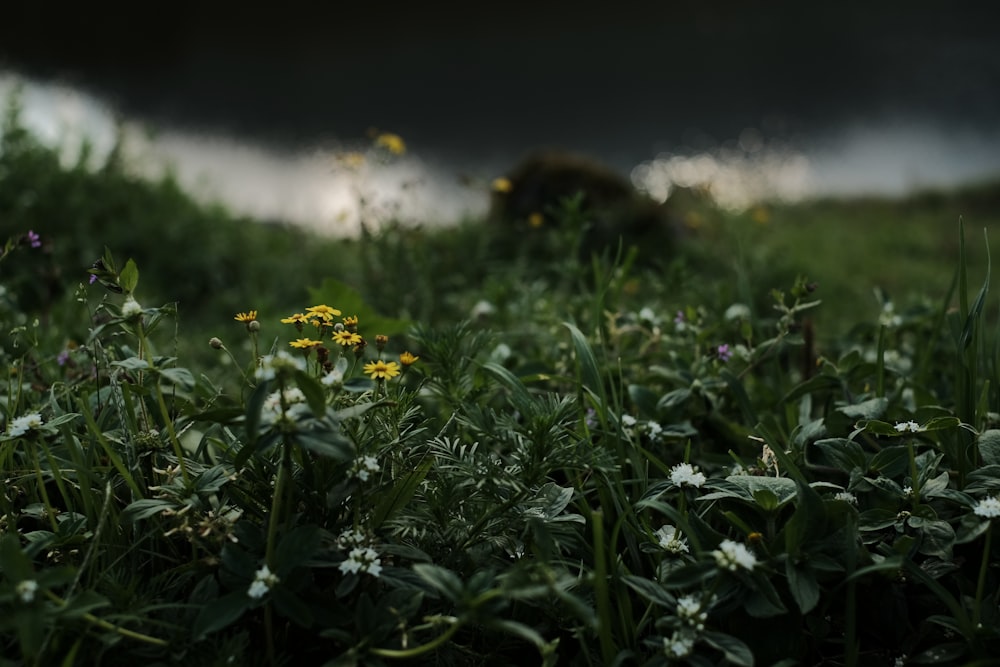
x=346, y=337
x=352, y=160
x=323, y=312
x=305, y=343
x=502, y=185
x=536, y=220
x=382, y=370
x=408, y=359
x=351, y=323
x=391, y=142
x=246, y=318
x=297, y=318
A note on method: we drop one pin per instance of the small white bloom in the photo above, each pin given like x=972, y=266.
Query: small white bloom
x=334, y=378
x=737, y=311
x=847, y=497
x=25, y=423
x=362, y=559
x=683, y=474
x=364, y=466
x=679, y=645
x=911, y=426
x=670, y=539
x=988, y=508
x=690, y=612
x=351, y=537
x=501, y=353
x=647, y=315
x=482, y=309
x=270, y=364
x=628, y=421
x=263, y=581
x=732, y=555
x=907, y=490
x=26, y=590
x=654, y=429
x=888, y=316
x=131, y=308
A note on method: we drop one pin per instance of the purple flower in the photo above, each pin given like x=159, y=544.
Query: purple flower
x=679, y=318
x=723, y=352
x=34, y=239
x=93, y=278
x=63, y=357
x=590, y=420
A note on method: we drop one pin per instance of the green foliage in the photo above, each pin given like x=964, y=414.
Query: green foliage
x=590, y=463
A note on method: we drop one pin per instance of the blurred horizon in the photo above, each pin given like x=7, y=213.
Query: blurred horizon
x=779, y=99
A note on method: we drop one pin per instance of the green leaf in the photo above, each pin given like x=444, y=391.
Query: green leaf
x=220, y=613
x=736, y=652
x=588, y=368
x=651, y=590
x=802, y=584
x=844, y=454
x=144, y=508
x=400, y=494
x=295, y=548
x=254, y=406
x=133, y=364
x=938, y=537
x=312, y=390
x=873, y=408
x=444, y=581
x=326, y=442
x=989, y=446
x=291, y=607
x=129, y=277
x=13, y=561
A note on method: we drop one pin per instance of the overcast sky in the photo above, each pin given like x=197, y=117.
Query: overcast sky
x=487, y=81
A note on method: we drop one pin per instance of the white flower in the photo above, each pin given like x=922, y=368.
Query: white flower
x=263, y=580
x=690, y=612
x=26, y=590
x=364, y=466
x=654, y=429
x=732, y=555
x=334, y=378
x=282, y=361
x=670, y=539
x=295, y=401
x=25, y=423
x=988, y=508
x=683, y=474
x=131, y=308
x=737, y=311
x=888, y=316
x=907, y=490
x=647, y=315
x=911, y=426
x=846, y=497
x=482, y=309
x=351, y=537
x=679, y=645
x=362, y=559
x=628, y=421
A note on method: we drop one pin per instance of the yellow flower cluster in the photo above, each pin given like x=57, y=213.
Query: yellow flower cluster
x=343, y=333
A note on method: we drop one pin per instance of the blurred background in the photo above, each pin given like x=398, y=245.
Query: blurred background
x=752, y=100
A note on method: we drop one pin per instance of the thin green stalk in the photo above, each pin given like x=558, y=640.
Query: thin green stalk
x=403, y=654
x=106, y=625
x=981, y=583
x=601, y=594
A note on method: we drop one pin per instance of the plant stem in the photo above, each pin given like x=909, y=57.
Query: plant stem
x=402, y=654
x=981, y=582
x=106, y=625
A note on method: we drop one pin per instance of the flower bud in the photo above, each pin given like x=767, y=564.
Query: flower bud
x=215, y=343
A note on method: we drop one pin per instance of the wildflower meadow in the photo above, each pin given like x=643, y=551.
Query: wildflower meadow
x=413, y=448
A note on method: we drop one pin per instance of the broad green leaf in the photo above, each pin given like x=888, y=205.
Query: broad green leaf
x=220, y=613
x=802, y=584
x=844, y=454
x=295, y=548
x=144, y=508
x=989, y=446
x=129, y=277
x=313, y=391
x=735, y=651
x=651, y=590
x=444, y=581
x=291, y=607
